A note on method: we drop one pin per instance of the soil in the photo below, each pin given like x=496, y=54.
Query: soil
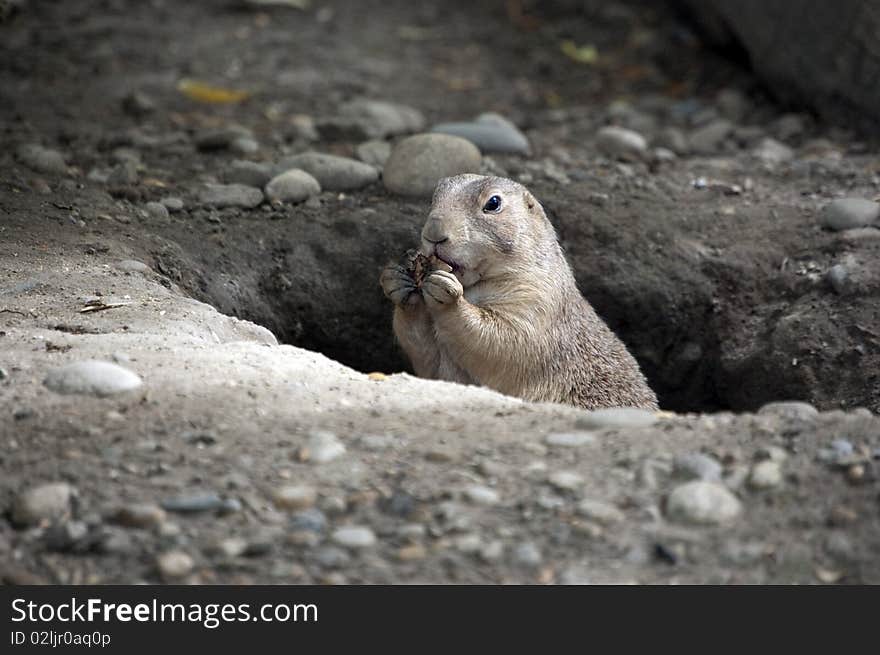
x=712, y=267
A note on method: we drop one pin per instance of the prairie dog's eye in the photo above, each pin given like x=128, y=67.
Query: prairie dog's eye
x=493, y=205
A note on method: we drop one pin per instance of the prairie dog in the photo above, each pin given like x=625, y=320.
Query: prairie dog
x=501, y=307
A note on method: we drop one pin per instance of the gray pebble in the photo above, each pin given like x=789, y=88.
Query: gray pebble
x=621, y=143
x=790, y=409
x=570, y=439
x=193, y=503
x=46, y=501
x=419, y=162
x=708, y=139
x=295, y=496
x=697, y=466
x=527, y=554
x=124, y=173
x=292, y=186
x=490, y=133
x=310, y=520
x=848, y=213
x=249, y=173
x=374, y=152
x=765, y=475
x=174, y=564
x=229, y=547
x=771, y=151
x=66, y=536
x=616, y=417
x=172, y=203
x=91, y=377
x=332, y=173
x=132, y=266
x=244, y=145
x=324, y=447
x=230, y=195
x=673, y=139
x=702, y=503
x=220, y=138
x=371, y=119
x=139, y=515
x=600, y=512
x=481, y=495
x=565, y=480
x=354, y=536
x=838, y=278
x=41, y=159
x=732, y=104
x=331, y=557
x=156, y=211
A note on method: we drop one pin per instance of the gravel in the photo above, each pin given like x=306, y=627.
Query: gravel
x=295, y=496
x=707, y=140
x=616, y=417
x=93, y=378
x=156, y=211
x=481, y=495
x=364, y=118
x=139, y=515
x=174, y=565
x=419, y=162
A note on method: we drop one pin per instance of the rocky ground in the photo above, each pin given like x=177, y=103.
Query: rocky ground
x=169, y=214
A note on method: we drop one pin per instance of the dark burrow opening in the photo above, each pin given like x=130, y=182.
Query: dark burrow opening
x=711, y=332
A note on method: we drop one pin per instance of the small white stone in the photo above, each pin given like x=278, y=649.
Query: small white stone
x=174, y=564
x=354, y=536
x=91, y=377
x=600, y=512
x=570, y=439
x=481, y=495
x=565, y=480
x=324, y=447
x=765, y=475
x=703, y=503
x=46, y=501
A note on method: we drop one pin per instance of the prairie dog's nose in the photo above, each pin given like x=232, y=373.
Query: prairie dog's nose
x=434, y=231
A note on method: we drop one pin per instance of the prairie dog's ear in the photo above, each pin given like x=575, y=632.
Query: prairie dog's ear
x=532, y=203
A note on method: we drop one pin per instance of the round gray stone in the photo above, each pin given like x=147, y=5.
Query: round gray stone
x=91, y=377
x=419, y=162
x=621, y=143
x=600, y=512
x=702, y=503
x=374, y=152
x=849, y=213
x=490, y=133
x=294, y=185
x=249, y=173
x=132, y=266
x=708, y=139
x=230, y=195
x=332, y=173
x=41, y=159
x=363, y=118
x=697, y=466
x=172, y=204
x=174, y=564
x=156, y=210
x=43, y=502
x=765, y=475
x=790, y=409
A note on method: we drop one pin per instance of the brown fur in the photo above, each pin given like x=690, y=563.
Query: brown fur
x=510, y=315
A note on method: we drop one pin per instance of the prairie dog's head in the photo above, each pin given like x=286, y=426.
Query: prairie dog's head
x=485, y=227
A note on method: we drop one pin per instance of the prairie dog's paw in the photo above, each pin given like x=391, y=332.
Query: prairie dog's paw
x=398, y=285
x=441, y=289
